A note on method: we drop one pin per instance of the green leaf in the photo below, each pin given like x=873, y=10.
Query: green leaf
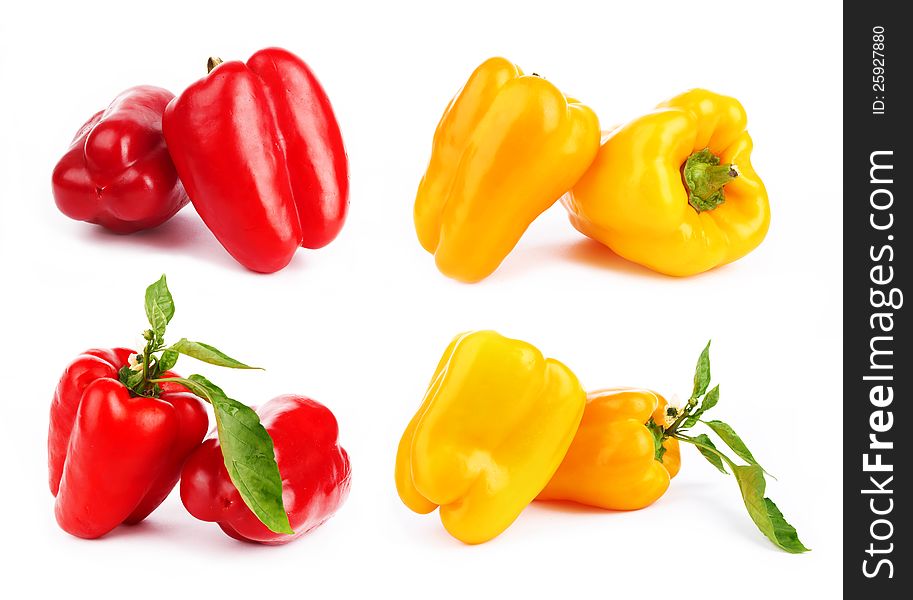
x=732, y=439
x=705, y=446
x=249, y=456
x=159, y=307
x=130, y=378
x=207, y=354
x=764, y=512
x=167, y=361
x=659, y=434
x=702, y=373
x=709, y=401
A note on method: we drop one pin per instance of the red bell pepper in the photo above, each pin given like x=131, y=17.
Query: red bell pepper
x=315, y=473
x=260, y=153
x=114, y=456
x=117, y=172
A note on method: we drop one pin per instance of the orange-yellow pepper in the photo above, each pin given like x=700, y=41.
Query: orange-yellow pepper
x=612, y=461
x=507, y=147
x=496, y=421
x=674, y=190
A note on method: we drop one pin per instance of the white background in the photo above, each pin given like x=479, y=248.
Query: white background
x=361, y=324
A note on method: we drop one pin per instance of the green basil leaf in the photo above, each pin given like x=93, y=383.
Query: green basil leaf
x=659, y=434
x=709, y=401
x=249, y=456
x=764, y=512
x=167, y=361
x=731, y=438
x=207, y=354
x=159, y=307
x=702, y=373
x=703, y=442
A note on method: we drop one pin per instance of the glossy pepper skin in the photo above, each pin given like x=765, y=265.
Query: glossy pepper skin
x=113, y=457
x=636, y=199
x=315, y=469
x=117, y=172
x=495, y=423
x=507, y=147
x=260, y=152
x=611, y=462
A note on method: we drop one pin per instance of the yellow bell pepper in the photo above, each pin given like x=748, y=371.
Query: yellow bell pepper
x=612, y=462
x=507, y=147
x=496, y=421
x=674, y=190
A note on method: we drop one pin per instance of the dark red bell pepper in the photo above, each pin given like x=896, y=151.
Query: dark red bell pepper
x=260, y=153
x=315, y=473
x=114, y=456
x=117, y=172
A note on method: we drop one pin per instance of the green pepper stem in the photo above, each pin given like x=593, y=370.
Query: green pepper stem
x=705, y=178
x=672, y=429
x=212, y=63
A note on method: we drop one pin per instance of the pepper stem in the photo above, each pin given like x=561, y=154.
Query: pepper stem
x=705, y=178
x=212, y=63
x=681, y=415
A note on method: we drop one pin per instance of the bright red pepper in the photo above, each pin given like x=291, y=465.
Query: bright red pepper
x=113, y=456
x=259, y=150
x=315, y=473
x=117, y=172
